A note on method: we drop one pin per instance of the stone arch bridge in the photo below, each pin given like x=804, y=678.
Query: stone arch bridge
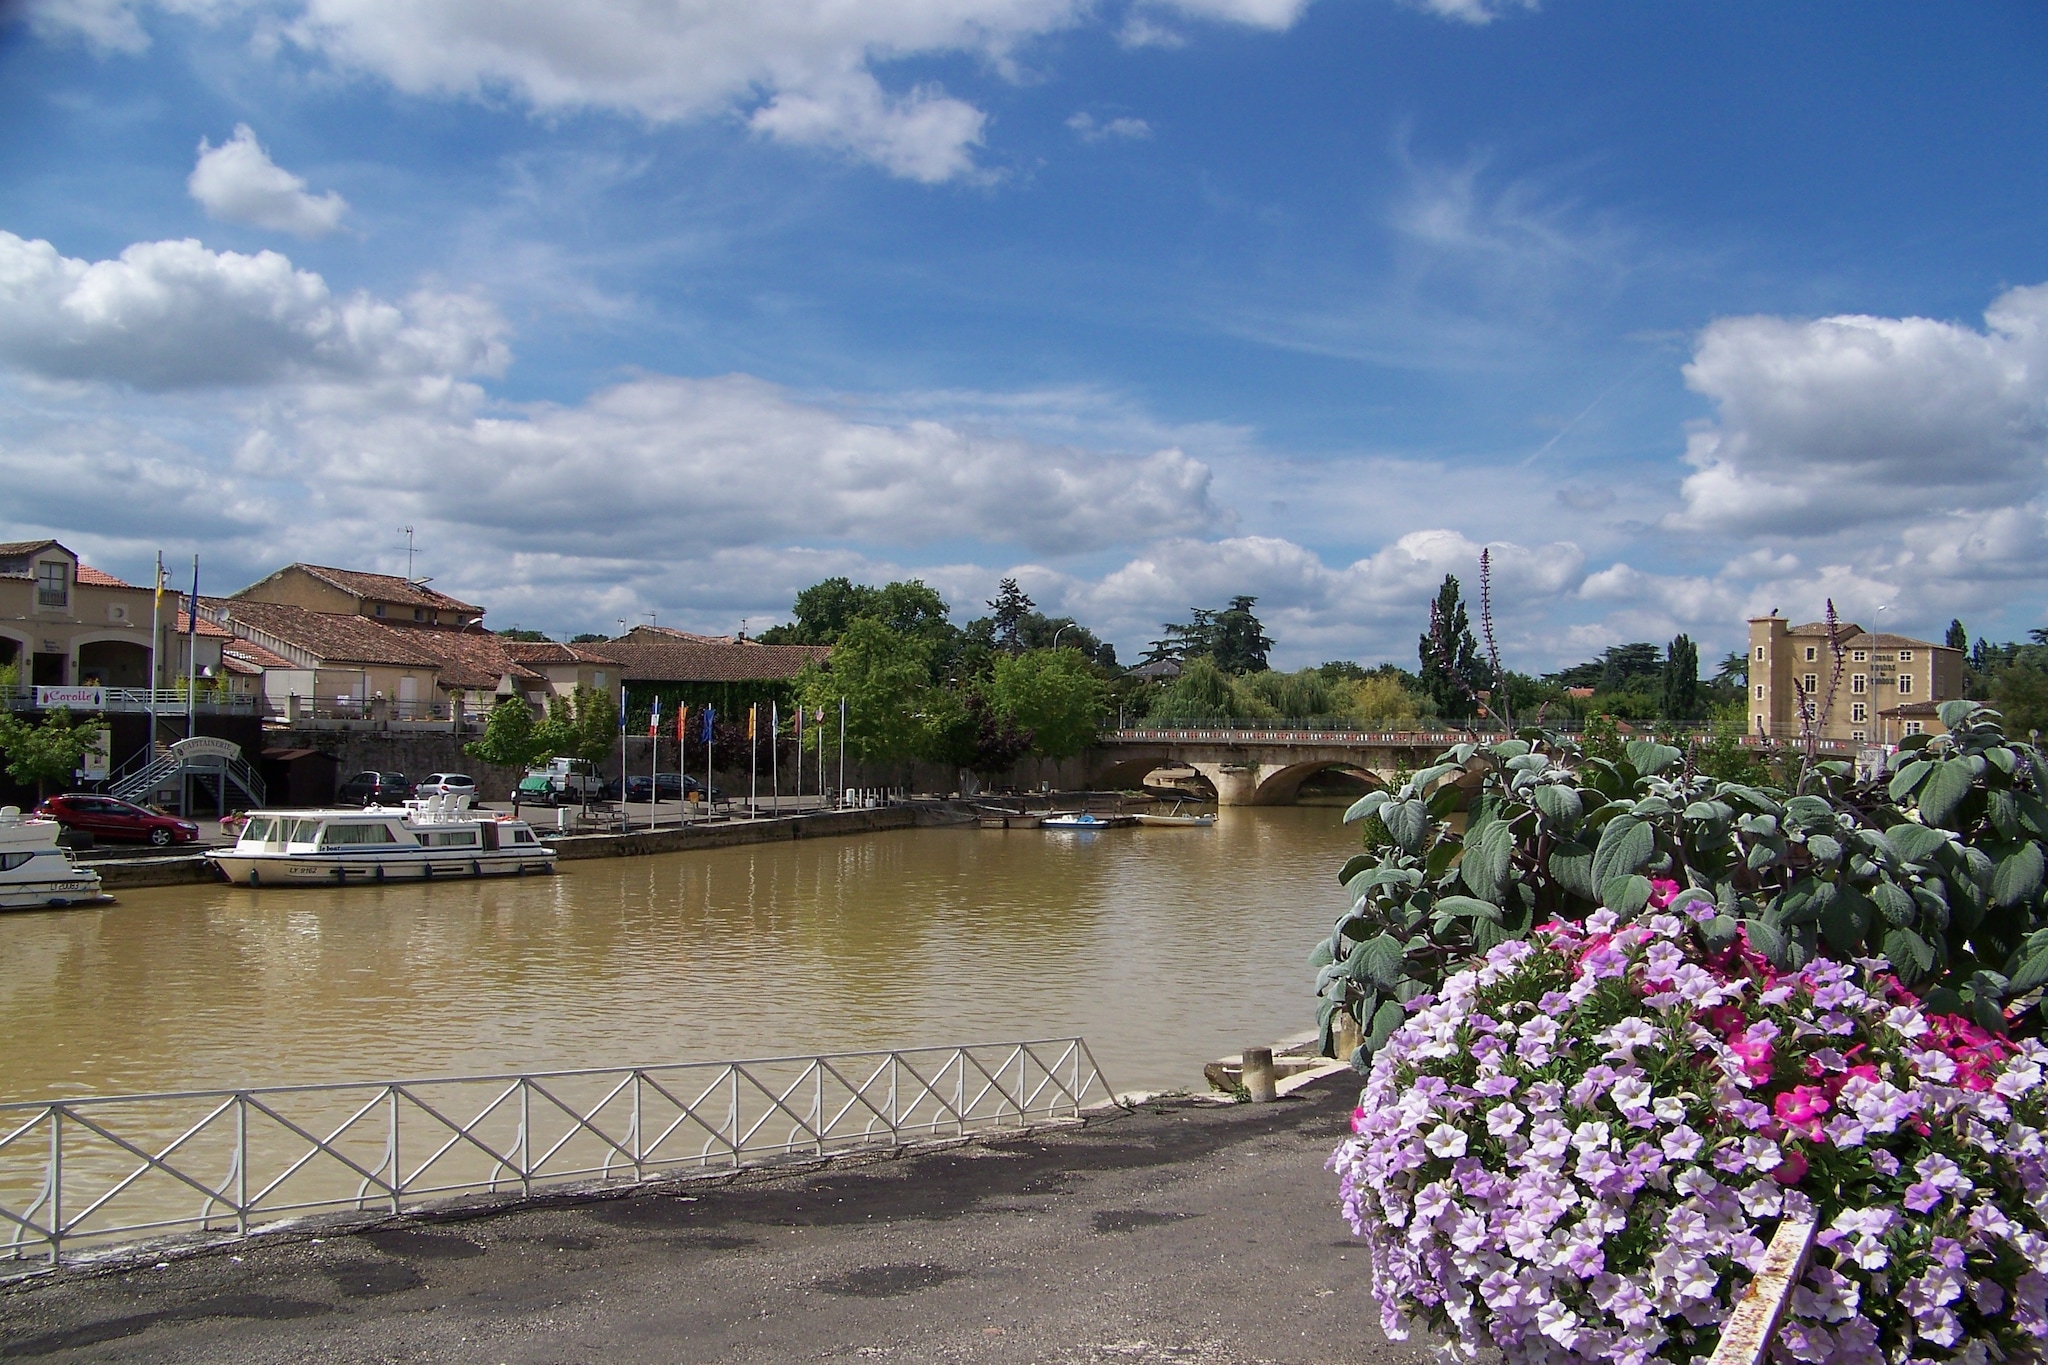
x=1254, y=767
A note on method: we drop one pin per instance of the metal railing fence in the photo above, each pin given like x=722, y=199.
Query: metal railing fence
x=87, y=1174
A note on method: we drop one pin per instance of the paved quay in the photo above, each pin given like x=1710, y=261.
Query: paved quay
x=1179, y=1231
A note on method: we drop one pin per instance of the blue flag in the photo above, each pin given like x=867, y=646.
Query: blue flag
x=709, y=716
x=622, y=712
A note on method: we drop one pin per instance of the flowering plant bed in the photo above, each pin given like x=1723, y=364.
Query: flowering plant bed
x=1579, y=1147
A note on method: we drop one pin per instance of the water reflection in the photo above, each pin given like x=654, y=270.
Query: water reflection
x=1163, y=947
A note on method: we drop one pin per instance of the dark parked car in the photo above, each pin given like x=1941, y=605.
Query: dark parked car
x=375, y=789
x=104, y=817
x=669, y=786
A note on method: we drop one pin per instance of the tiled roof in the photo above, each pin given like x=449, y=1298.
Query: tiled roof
x=182, y=621
x=1852, y=636
x=255, y=655
x=1913, y=708
x=548, y=652
x=89, y=577
x=383, y=587
x=674, y=656
x=469, y=659
x=332, y=637
x=658, y=634
x=9, y=549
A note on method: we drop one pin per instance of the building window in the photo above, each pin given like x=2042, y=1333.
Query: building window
x=1858, y=736
x=1858, y=712
x=1905, y=683
x=53, y=584
x=1759, y=691
x=419, y=613
x=1812, y=683
x=1859, y=683
x=597, y=678
x=1759, y=653
x=1859, y=655
x=1905, y=656
x=379, y=608
x=1912, y=727
x=1811, y=654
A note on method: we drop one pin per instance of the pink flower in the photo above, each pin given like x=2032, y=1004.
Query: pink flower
x=1661, y=892
x=1800, y=1110
x=1790, y=1170
x=1756, y=1058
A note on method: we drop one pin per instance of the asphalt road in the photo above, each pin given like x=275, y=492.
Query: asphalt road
x=1182, y=1232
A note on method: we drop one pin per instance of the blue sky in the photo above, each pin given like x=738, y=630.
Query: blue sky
x=1687, y=311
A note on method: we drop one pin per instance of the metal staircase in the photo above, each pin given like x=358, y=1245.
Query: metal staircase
x=215, y=764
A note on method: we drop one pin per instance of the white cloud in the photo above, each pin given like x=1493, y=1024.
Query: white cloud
x=1126, y=129
x=1472, y=11
x=237, y=182
x=168, y=315
x=925, y=136
x=646, y=465
x=1857, y=421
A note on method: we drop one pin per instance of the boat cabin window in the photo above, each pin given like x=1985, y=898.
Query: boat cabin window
x=10, y=861
x=304, y=830
x=338, y=836
x=258, y=830
x=522, y=836
x=448, y=838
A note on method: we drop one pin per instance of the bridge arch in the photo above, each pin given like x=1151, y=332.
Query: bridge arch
x=1278, y=786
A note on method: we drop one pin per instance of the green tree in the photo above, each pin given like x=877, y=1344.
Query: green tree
x=1382, y=702
x=508, y=740
x=46, y=752
x=1239, y=643
x=1958, y=638
x=1681, y=679
x=964, y=731
x=533, y=637
x=1054, y=694
x=596, y=732
x=1008, y=611
x=1734, y=669
x=2020, y=693
x=1454, y=672
x=1722, y=754
x=1201, y=692
x=1296, y=696
x=885, y=678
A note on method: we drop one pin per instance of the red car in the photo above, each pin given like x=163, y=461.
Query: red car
x=103, y=817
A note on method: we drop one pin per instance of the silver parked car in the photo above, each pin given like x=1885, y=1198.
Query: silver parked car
x=447, y=784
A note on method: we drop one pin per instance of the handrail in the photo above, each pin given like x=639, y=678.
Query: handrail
x=79, y=1176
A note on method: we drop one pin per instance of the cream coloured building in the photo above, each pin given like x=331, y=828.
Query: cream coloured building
x=66, y=624
x=1886, y=689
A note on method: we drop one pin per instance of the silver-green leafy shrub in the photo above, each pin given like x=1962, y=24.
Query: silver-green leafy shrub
x=1937, y=866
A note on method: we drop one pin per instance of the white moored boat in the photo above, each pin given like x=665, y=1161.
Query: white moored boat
x=422, y=841
x=35, y=873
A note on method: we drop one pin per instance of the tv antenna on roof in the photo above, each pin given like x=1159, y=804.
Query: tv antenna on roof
x=406, y=531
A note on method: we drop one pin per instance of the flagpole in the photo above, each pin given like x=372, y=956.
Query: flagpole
x=842, y=749
x=625, y=816
x=682, y=764
x=192, y=653
x=710, y=719
x=156, y=675
x=753, y=757
x=653, y=760
x=775, y=755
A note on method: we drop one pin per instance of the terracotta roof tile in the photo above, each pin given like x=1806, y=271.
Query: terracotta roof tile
x=333, y=637
x=254, y=654
x=384, y=587
x=90, y=577
x=207, y=628
x=548, y=652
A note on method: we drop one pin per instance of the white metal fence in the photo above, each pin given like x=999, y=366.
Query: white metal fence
x=89, y=1173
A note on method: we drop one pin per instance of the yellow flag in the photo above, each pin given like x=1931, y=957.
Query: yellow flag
x=752, y=712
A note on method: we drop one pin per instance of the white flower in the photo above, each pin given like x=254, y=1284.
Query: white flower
x=1504, y=1119
x=1668, y=1110
x=1446, y=1141
x=1630, y=1092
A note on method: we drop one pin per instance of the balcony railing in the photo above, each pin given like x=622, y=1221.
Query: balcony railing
x=165, y=701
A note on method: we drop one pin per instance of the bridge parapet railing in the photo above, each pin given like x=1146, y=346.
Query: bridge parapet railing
x=1240, y=732
x=80, y=1176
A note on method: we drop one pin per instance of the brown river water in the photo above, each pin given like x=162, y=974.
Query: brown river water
x=1163, y=948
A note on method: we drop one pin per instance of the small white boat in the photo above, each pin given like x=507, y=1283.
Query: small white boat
x=36, y=874
x=427, y=840
x=1082, y=820
x=1206, y=821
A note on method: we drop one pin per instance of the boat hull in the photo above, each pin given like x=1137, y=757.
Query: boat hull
x=1177, y=821
x=57, y=894
x=246, y=869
